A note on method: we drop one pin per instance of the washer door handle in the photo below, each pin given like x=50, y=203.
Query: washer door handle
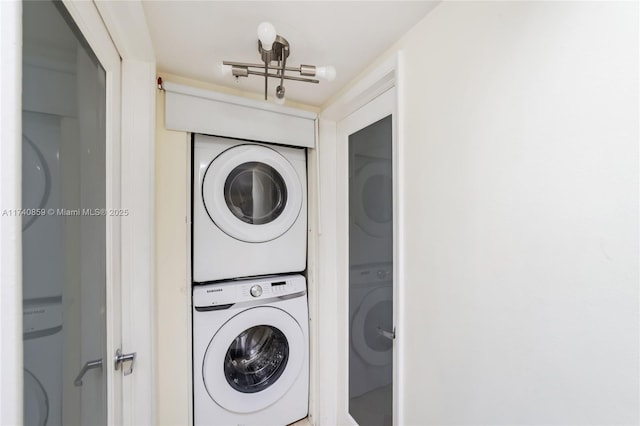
x=89, y=365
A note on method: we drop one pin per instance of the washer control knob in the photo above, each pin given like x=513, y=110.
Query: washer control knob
x=256, y=291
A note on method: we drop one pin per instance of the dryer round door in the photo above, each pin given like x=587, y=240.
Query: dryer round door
x=252, y=193
x=375, y=313
x=374, y=188
x=253, y=359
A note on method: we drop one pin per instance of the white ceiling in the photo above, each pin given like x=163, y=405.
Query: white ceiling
x=192, y=37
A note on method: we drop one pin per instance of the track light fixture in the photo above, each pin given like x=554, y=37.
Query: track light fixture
x=274, y=51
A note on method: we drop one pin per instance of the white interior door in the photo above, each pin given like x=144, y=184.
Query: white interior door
x=71, y=221
x=366, y=210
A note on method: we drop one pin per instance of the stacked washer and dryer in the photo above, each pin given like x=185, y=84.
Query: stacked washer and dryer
x=250, y=317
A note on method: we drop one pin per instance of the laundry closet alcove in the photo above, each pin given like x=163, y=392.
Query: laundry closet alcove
x=192, y=110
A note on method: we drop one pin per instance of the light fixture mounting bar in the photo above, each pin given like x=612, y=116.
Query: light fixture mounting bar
x=300, y=69
x=286, y=77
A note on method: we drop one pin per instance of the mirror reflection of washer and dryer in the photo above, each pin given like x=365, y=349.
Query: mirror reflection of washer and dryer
x=43, y=286
x=63, y=256
x=250, y=316
x=371, y=330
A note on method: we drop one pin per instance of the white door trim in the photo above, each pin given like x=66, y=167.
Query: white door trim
x=10, y=229
x=89, y=22
x=366, y=89
x=128, y=29
x=138, y=237
x=330, y=407
x=376, y=109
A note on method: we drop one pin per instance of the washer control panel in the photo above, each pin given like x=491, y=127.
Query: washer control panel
x=232, y=292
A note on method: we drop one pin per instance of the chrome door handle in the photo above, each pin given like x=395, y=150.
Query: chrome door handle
x=388, y=334
x=122, y=358
x=89, y=365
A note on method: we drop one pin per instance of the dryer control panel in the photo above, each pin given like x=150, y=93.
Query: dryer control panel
x=224, y=294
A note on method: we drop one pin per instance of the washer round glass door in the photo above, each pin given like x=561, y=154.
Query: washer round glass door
x=252, y=193
x=253, y=359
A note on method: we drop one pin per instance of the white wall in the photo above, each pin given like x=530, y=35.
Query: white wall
x=522, y=260
x=173, y=322
x=521, y=172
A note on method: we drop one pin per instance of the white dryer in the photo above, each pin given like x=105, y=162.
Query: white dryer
x=249, y=209
x=371, y=311
x=251, y=352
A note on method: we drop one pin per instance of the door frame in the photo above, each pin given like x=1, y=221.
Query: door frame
x=376, y=109
x=126, y=23
x=11, y=364
x=125, y=26
x=88, y=20
x=330, y=407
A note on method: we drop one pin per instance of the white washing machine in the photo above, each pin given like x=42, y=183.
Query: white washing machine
x=251, y=352
x=43, y=356
x=249, y=202
x=371, y=311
